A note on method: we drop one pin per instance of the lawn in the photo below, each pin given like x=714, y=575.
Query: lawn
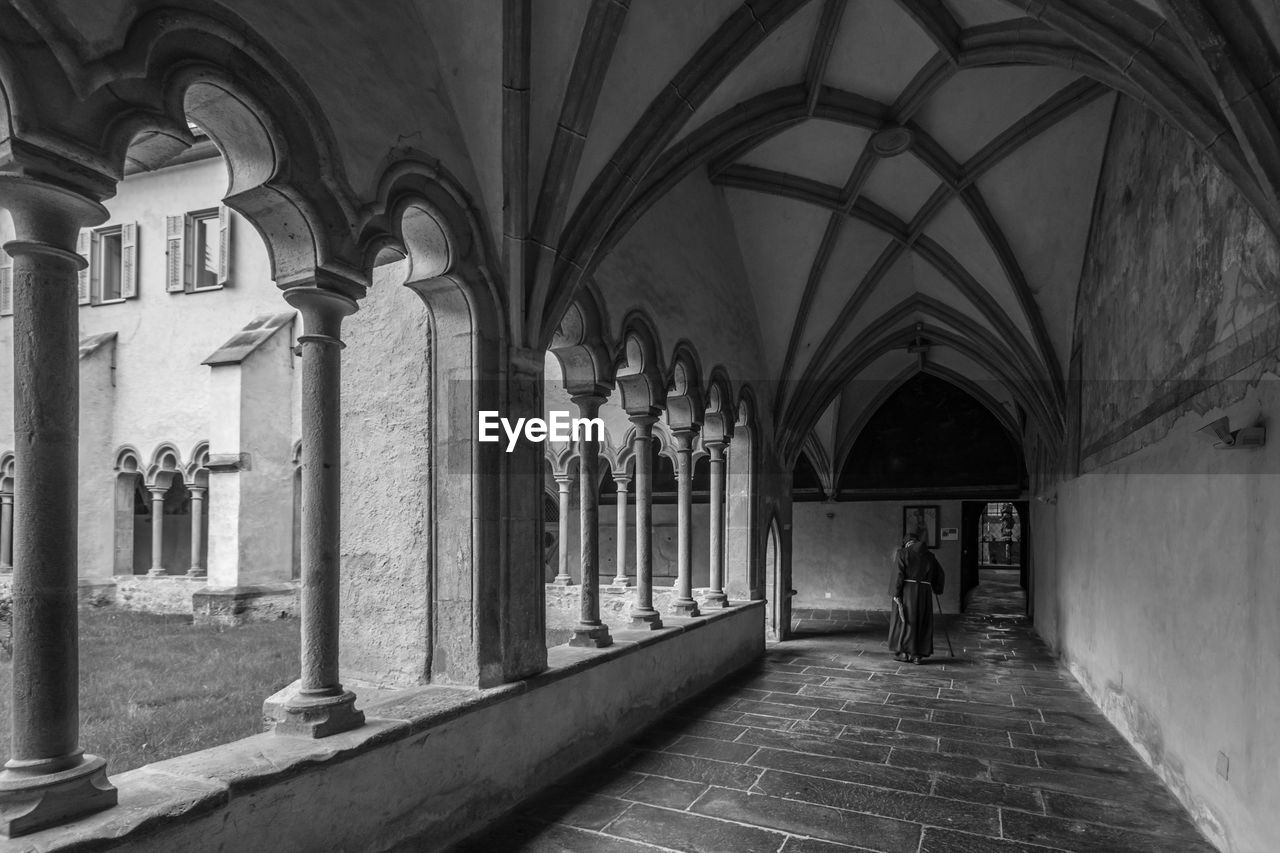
x=153, y=687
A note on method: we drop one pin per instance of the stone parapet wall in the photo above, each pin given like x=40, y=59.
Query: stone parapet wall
x=240, y=604
x=461, y=757
x=170, y=594
x=564, y=604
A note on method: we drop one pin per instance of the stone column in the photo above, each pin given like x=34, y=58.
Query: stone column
x=320, y=707
x=197, y=569
x=622, y=481
x=684, y=605
x=716, y=597
x=47, y=779
x=643, y=615
x=157, y=530
x=590, y=631
x=6, y=531
x=564, y=482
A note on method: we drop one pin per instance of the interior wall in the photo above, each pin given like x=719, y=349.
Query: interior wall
x=845, y=561
x=1155, y=571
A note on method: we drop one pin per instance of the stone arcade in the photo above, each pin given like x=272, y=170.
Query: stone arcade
x=811, y=263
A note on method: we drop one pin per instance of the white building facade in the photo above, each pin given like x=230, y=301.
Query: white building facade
x=189, y=432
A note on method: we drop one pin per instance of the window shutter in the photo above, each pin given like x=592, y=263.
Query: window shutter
x=82, y=249
x=175, y=253
x=95, y=269
x=6, y=291
x=224, y=243
x=129, y=260
x=189, y=251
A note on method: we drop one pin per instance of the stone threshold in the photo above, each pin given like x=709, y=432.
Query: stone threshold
x=168, y=793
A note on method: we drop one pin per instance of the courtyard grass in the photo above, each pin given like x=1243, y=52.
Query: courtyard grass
x=154, y=687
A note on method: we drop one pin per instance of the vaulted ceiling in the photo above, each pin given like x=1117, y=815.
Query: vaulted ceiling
x=909, y=183
x=823, y=196
x=879, y=186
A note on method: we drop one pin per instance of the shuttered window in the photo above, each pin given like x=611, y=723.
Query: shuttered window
x=175, y=228
x=111, y=264
x=199, y=249
x=83, y=248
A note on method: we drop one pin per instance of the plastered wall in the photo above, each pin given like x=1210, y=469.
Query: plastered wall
x=150, y=386
x=846, y=561
x=1156, y=570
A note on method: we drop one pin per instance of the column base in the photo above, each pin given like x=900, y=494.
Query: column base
x=35, y=801
x=591, y=636
x=196, y=573
x=620, y=581
x=563, y=580
x=157, y=573
x=320, y=716
x=685, y=607
x=717, y=600
x=646, y=620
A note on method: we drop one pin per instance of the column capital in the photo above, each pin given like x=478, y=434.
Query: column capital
x=622, y=481
x=715, y=448
x=565, y=480
x=158, y=492
x=684, y=437
x=643, y=424
x=6, y=497
x=322, y=312
x=588, y=404
x=47, y=217
x=198, y=491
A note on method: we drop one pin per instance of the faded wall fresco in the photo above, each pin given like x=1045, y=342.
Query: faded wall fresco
x=1179, y=290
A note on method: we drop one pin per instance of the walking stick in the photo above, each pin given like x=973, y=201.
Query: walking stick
x=943, y=623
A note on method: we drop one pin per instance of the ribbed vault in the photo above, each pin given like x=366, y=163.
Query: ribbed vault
x=886, y=167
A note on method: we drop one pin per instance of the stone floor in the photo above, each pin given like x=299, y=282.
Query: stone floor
x=831, y=745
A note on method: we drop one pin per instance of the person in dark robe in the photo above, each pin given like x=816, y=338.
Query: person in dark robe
x=919, y=577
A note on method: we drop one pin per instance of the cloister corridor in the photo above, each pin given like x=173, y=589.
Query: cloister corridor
x=830, y=745
x=293, y=295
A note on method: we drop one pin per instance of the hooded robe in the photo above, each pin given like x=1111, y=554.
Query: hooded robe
x=919, y=576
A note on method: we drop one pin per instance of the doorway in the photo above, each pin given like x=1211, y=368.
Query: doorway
x=994, y=557
x=772, y=591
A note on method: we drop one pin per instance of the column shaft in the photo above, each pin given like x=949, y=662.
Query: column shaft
x=197, y=533
x=6, y=532
x=320, y=707
x=716, y=596
x=643, y=615
x=564, y=483
x=684, y=605
x=47, y=779
x=621, y=481
x=157, y=530
x=590, y=631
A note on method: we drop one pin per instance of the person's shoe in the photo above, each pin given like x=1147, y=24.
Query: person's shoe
x=917, y=661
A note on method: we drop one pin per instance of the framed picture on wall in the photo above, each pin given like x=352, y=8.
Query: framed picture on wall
x=923, y=521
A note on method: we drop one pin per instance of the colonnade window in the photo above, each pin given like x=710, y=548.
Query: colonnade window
x=161, y=521
x=619, y=528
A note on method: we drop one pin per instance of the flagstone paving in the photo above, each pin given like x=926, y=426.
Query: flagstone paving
x=830, y=745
